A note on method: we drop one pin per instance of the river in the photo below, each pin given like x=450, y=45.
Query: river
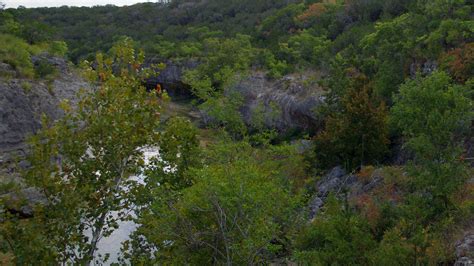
x=113, y=243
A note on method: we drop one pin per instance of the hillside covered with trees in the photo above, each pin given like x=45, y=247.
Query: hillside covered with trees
x=328, y=132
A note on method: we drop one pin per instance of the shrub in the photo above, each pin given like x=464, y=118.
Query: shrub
x=44, y=69
x=337, y=237
x=434, y=115
x=58, y=48
x=15, y=52
x=26, y=86
x=276, y=68
x=305, y=47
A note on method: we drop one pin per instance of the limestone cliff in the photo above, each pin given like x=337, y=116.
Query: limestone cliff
x=22, y=104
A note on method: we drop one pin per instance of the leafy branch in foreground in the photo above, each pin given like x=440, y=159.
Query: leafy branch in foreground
x=83, y=163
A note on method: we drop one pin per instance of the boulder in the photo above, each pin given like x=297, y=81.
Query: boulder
x=314, y=206
x=61, y=65
x=333, y=182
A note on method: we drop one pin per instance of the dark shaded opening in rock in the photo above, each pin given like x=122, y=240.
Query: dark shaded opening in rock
x=178, y=91
x=19, y=213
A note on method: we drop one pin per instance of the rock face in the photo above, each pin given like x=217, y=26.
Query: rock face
x=465, y=250
x=425, y=68
x=23, y=202
x=334, y=181
x=340, y=183
x=287, y=104
x=22, y=104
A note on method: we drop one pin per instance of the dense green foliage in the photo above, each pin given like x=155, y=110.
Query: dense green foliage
x=181, y=25
x=16, y=53
x=225, y=216
x=83, y=170
x=338, y=237
x=396, y=79
x=434, y=116
x=435, y=135
x=357, y=134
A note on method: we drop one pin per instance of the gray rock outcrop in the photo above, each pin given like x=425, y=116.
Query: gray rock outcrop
x=23, y=201
x=342, y=184
x=465, y=250
x=424, y=68
x=335, y=181
x=22, y=104
x=287, y=104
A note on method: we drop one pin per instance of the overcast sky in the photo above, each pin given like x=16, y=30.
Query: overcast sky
x=49, y=3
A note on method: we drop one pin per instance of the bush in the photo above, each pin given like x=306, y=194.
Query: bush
x=276, y=68
x=58, y=48
x=15, y=52
x=305, y=47
x=44, y=69
x=434, y=116
x=337, y=237
x=26, y=86
x=352, y=36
